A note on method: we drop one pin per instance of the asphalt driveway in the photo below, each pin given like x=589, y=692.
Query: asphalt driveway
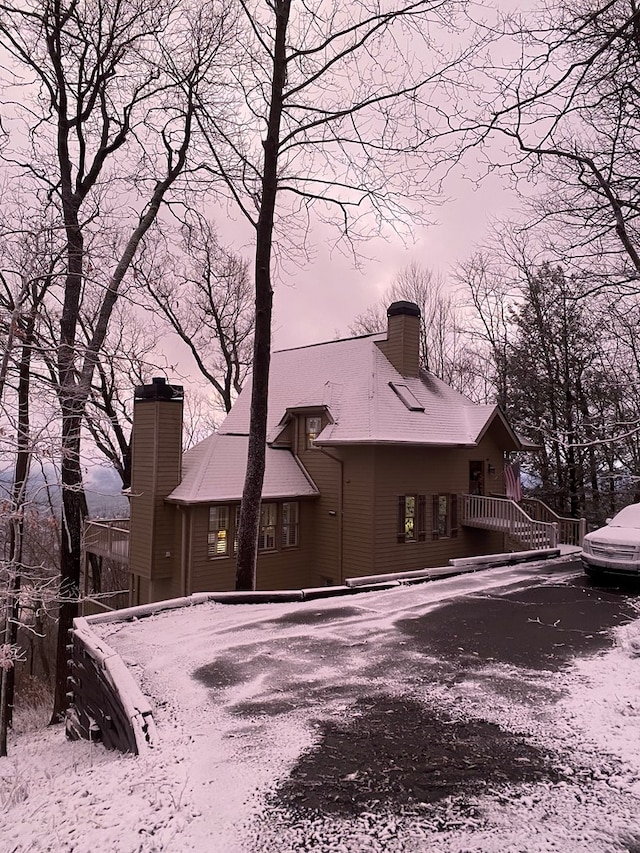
x=392, y=721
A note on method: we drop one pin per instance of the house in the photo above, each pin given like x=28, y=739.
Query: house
x=366, y=458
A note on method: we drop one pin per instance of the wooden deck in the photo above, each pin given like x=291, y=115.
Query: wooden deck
x=108, y=538
x=540, y=527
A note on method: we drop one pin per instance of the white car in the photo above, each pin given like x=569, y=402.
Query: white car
x=614, y=549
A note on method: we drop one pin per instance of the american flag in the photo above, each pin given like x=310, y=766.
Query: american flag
x=512, y=481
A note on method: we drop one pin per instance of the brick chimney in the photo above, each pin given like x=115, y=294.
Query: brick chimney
x=402, y=346
x=156, y=447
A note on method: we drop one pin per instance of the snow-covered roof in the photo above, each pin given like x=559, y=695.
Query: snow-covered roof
x=214, y=470
x=367, y=402
x=351, y=379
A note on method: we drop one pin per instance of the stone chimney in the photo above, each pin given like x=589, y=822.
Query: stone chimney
x=156, y=448
x=402, y=346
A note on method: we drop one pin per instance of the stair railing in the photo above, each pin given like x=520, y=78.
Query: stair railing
x=506, y=516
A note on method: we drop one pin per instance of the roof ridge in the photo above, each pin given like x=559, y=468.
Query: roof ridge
x=205, y=462
x=326, y=343
x=376, y=353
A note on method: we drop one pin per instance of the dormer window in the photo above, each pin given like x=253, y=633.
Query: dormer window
x=312, y=428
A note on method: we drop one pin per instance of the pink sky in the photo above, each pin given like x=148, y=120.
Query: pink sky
x=319, y=301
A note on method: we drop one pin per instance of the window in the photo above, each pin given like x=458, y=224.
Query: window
x=407, y=396
x=312, y=431
x=290, y=524
x=218, y=537
x=411, y=518
x=267, y=532
x=445, y=516
x=236, y=529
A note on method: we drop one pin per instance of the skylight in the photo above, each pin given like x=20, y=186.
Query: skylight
x=408, y=397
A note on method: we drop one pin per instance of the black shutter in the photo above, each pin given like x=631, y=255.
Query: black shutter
x=422, y=518
x=435, y=532
x=401, y=519
x=454, y=515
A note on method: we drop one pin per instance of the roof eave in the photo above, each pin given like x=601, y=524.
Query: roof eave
x=391, y=442
x=515, y=438
x=267, y=496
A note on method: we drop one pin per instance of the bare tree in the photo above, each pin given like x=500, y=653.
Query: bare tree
x=27, y=263
x=204, y=291
x=338, y=108
x=488, y=282
x=570, y=107
x=444, y=345
x=108, y=93
x=128, y=356
x=565, y=369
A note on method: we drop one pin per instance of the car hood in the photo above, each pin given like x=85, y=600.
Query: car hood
x=615, y=536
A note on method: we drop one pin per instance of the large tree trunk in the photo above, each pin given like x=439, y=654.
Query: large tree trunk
x=21, y=474
x=252, y=491
x=70, y=549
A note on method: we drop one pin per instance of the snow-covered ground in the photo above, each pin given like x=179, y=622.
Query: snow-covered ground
x=245, y=695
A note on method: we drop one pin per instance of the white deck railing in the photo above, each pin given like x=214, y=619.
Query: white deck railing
x=107, y=538
x=506, y=516
x=571, y=530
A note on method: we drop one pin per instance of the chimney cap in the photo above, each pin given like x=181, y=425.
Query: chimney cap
x=396, y=309
x=159, y=389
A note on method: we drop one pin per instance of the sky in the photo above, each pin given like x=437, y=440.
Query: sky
x=320, y=300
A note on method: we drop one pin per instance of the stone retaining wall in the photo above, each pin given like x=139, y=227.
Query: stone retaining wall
x=106, y=704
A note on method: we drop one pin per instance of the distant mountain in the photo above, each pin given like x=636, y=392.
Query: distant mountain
x=102, y=485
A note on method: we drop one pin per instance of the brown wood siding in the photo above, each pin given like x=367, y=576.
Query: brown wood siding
x=208, y=575
x=157, y=456
x=142, y=484
x=402, y=347
x=373, y=480
x=326, y=472
x=358, y=522
x=426, y=471
x=285, y=568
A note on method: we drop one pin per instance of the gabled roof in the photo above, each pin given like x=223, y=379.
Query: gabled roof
x=350, y=379
x=366, y=401
x=214, y=470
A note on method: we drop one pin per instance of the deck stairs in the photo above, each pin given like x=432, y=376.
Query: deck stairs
x=531, y=522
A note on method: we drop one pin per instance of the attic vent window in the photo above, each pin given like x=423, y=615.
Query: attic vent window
x=408, y=398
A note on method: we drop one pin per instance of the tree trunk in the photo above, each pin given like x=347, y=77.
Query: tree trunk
x=21, y=474
x=70, y=549
x=252, y=491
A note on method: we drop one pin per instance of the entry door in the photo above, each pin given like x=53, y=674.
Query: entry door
x=476, y=477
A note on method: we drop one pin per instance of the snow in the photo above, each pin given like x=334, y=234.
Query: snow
x=351, y=379
x=241, y=692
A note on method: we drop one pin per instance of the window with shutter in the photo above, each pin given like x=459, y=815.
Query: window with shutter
x=412, y=520
x=444, y=522
x=290, y=524
x=218, y=535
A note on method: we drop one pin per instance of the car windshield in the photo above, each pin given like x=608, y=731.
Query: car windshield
x=627, y=517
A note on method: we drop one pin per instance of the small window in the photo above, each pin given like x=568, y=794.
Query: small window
x=267, y=532
x=445, y=516
x=313, y=427
x=290, y=524
x=236, y=529
x=407, y=396
x=411, y=518
x=218, y=537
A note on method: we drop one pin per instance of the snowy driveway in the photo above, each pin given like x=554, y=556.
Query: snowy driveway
x=452, y=716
